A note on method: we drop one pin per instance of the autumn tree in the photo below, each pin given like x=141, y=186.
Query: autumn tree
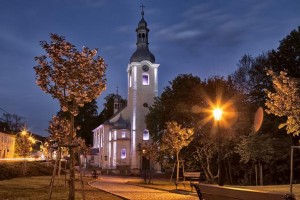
x=151, y=152
x=23, y=146
x=174, y=138
x=285, y=101
x=73, y=78
x=24, y=143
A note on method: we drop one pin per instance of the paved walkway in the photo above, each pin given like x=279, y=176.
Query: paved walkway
x=118, y=186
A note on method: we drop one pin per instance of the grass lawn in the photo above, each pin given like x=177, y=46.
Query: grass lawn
x=32, y=188
x=277, y=188
x=166, y=185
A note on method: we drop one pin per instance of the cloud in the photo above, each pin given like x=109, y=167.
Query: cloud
x=94, y=3
x=215, y=24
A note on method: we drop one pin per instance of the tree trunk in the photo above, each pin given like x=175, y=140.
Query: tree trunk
x=256, y=177
x=260, y=174
x=59, y=163
x=177, y=170
x=229, y=170
x=246, y=176
x=72, y=162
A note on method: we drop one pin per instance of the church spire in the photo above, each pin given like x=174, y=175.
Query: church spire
x=142, y=52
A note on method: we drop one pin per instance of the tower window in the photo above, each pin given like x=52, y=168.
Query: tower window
x=123, y=134
x=145, y=79
x=123, y=153
x=146, y=135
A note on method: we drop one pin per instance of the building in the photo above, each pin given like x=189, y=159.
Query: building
x=7, y=145
x=117, y=142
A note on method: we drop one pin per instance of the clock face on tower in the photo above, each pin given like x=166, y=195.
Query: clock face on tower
x=145, y=68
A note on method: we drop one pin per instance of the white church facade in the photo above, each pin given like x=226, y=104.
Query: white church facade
x=118, y=141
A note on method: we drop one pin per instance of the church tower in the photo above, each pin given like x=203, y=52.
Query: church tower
x=142, y=88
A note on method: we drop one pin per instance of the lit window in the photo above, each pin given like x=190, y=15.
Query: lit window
x=123, y=153
x=123, y=134
x=145, y=79
x=109, y=137
x=146, y=135
x=130, y=77
x=115, y=135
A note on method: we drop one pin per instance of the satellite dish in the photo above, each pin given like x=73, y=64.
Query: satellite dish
x=258, y=119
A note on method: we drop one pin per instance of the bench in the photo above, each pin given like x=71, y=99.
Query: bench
x=193, y=176
x=205, y=191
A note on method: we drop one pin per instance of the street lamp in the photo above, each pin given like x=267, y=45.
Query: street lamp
x=218, y=116
x=144, y=164
x=22, y=133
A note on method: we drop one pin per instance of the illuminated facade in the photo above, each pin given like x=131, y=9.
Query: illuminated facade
x=7, y=145
x=119, y=139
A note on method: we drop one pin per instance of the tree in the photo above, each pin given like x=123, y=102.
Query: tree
x=176, y=103
x=250, y=79
x=285, y=101
x=286, y=57
x=176, y=137
x=255, y=149
x=24, y=143
x=73, y=78
x=108, y=109
x=189, y=101
x=4, y=127
x=151, y=152
x=261, y=149
x=14, y=121
x=86, y=120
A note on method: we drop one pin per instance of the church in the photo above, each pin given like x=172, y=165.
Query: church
x=118, y=141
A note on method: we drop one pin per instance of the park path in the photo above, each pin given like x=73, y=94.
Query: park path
x=119, y=186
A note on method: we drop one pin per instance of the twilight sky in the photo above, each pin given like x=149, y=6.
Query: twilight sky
x=201, y=37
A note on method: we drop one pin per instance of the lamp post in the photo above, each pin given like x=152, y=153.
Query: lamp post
x=218, y=116
x=144, y=164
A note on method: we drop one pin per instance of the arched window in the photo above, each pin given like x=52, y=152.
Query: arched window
x=146, y=135
x=145, y=79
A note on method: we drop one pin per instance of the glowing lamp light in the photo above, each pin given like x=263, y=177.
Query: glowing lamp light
x=24, y=132
x=32, y=140
x=217, y=114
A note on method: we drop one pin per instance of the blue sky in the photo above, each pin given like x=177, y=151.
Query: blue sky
x=201, y=37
